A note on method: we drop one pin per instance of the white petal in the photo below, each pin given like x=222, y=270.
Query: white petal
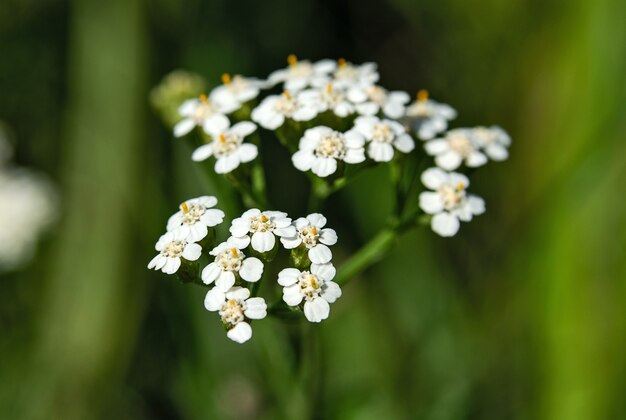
x=240, y=333
x=183, y=127
x=202, y=153
x=316, y=219
x=171, y=265
x=247, y=152
x=434, y=178
x=227, y=163
x=404, y=143
x=354, y=139
x=288, y=276
x=251, y=269
x=476, y=159
x=431, y=202
x=292, y=295
x=316, y=310
x=256, y=308
x=457, y=178
x=324, y=271
x=240, y=293
x=243, y=128
x=449, y=160
x=210, y=273
x=497, y=152
x=354, y=155
x=214, y=299
x=436, y=147
x=192, y=252
x=157, y=262
x=239, y=242
x=320, y=254
x=212, y=217
x=291, y=242
x=240, y=226
x=331, y=292
x=323, y=167
x=215, y=124
x=476, y=204
x=225, y=280
x=328, y=236
x=445, y=224
x=288, y=231
x=303, y=160
x=263, y=241
x=380, y=152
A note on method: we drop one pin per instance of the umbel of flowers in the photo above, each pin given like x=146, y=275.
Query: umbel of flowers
x=336, y=120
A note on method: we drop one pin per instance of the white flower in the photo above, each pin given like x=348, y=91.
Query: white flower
x=370, y=100
x=202, y=112
x=383, y=136
x=458, y=146
x=448, y=203
x=229, y=262
x=327, y=99
x=321, y=148
x=236, y=308
x=28, y=206
x=348, y=75
x=428, y=117
x=314, y=287
x=172, y=247
x=494, y=141
x=228, y=146
x=312, y=234
x=259, y=229
x=236, y=90
x=273, y=110
x=195, y=217
x=301, y=74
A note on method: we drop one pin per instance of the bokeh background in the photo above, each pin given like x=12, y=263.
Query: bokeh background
x=520, y=316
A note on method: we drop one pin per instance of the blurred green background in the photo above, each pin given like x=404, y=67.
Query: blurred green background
x=520, y=316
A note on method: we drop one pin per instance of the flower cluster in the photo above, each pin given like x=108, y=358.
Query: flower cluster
x=28, y=206
x=237, y=265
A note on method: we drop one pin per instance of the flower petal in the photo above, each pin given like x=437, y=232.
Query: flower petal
x=192, y=252
x=214, y=299
x=288, y=276
x=210, y=273
x=292, y=295
x=251, y=269
x=331, y=292
x=445, y=224
x=256, y=308
x=316, y=310
x=263, y=241
x=320, y=254
x=225, y=280
x=431, y=202
x=240, y=333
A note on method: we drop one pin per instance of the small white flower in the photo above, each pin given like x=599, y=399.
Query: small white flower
x=458, y=146
x=314, y=287
x=370, y=100
x=236, y=308
x=494, y=141
x=202, y=112
x=312, y=234
x=195, y=217
x=448, y=202
x=327, y=99
x=383, y=136
x=259, y=229
x=229, y=262
x=301, y=74
x=321, y=148
x=348, y=75
x=236, y=90
x=273, y=110
x=428, y=117
x=228, y=146
x=172, y=247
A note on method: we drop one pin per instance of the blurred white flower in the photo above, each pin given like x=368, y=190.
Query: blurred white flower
x=172, y=247
x=448, y=202
x=314, y=287
x=302, y=74
x=327, y=99
x=321, y=148
x=312, y=235
x=383, y=136
x=494, y=141
x=372, y=99
x=195, y=217
x=259, y=229
x=458, y=146
x=28, y=206
x=348, y=75
x=229, y=262
x=428, y=117
x=227, y=146
x=236, y=308
x=273, y=110
x=236, y=90
x=202, y=112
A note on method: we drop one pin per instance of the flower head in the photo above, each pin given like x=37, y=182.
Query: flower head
x=230, y=262
x=321, y=148
x=348, y=75
x=448, y=202
x=458, y=146
x=314, y=287
x=259, y=229
x=274, y=109
x=172, y=247
x=236, y=308
x=311, y=234
x=370, y=100
x=228, y=147
x=236, y=90
x=302, y=74
x=494, y=141
x=327, y=98
x=202, y=112
x=195, y=217
x=383, y=136
x=428, y=117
